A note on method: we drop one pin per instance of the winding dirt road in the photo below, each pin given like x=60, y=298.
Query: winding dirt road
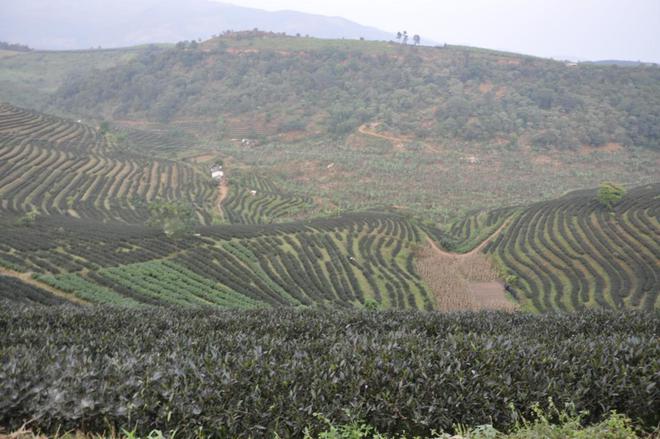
x=223, y=191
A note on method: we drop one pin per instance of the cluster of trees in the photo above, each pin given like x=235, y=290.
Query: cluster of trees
x=14, y=47
x=176, y=219
x=403, y=38
x=458, y=93
x=610, y=194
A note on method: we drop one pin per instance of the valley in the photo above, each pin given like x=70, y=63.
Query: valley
x=261, y=233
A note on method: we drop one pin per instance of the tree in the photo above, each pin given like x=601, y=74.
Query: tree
x=610, y=194
x=405, y=37
x=104, y=127
x=399, y=35
x=29, y=218
x=417, y=39
x=371, y=305
x=176, y=219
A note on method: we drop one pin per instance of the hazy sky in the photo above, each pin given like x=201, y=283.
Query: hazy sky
x=585, y=29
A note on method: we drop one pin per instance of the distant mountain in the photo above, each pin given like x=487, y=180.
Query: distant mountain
x=81, y=24
x=621, y=63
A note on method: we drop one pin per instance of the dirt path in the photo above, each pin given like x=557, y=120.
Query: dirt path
x=364, y=129
x=398, y=141
x=223, y=191
x=28, y=279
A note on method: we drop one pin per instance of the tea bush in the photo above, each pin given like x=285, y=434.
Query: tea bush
x=256, y=373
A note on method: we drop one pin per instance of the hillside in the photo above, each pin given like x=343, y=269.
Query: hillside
x=75, y=202
x=323, y=208
x=60, y=166
x=448, y=93
x=573, y=253
x=23, y=83
x=364, y=125
x=339, y=262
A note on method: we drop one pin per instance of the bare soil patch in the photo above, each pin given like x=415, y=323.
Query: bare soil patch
x=463, y=281
x=398, y=142
x=610, y=147
x=490, y=295
x=223, y=191
x=485, y=87
x=201, y=158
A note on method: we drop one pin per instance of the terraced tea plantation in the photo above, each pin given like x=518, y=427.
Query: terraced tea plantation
x=87, y=241
x=573, y=253
x=256, y=200
x=474, y=228
x=58, y=166
x=340, y=262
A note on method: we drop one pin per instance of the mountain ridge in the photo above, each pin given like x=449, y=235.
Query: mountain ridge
x=147, y=21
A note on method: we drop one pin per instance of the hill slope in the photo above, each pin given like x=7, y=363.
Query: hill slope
x=59, y=166
x=449, y=93
x=572, y=253
x=339, y=262
x=361, y=124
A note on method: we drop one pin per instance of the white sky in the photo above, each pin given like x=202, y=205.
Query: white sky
x=584, y=29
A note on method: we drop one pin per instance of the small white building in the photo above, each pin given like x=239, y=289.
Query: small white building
x=217, y=175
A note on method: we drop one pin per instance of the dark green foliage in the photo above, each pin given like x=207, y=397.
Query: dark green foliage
x=240, y=374
x=175, y=218
x=14, y=47
x=609, y=194
x=14, y=290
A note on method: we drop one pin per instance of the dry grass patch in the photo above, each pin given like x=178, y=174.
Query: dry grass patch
x=462, y=282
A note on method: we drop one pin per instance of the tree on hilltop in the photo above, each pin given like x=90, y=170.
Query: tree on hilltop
x=610, y=194
x=417, y=39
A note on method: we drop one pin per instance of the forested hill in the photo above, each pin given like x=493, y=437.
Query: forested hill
x=334, y=86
